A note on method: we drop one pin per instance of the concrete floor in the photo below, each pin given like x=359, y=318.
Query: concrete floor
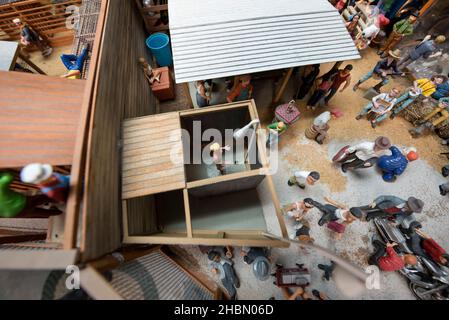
x=297, y=152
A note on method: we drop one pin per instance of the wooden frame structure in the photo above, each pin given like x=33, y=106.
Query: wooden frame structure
x=151, y=20
x=155, y=173
x=48, y=19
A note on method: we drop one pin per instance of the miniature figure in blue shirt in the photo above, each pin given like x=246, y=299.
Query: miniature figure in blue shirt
x=395, y=164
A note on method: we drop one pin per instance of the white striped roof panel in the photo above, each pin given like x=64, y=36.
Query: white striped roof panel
x=216, y=38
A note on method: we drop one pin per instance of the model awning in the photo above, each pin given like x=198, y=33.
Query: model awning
x=216, y=38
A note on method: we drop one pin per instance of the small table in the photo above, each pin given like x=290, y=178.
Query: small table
x=9, y=52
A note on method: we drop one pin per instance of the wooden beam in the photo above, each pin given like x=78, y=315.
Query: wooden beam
x=187, y=213
x=31, y=63
x=282, y=86
x=79, y=157
x=37, y=259
x=426, y=7
x=8, y=236
x=188, y=95
x=96, y=285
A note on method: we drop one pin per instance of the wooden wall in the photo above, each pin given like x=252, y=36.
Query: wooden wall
x=121, y=91
x=241, y=184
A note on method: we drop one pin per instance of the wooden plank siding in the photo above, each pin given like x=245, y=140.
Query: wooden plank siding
x=40, y=117
x=120, y=92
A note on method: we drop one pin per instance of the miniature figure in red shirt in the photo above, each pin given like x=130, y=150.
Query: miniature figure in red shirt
x=434, y=250
x=386, y=258
x=242, y=91
x=52, y=184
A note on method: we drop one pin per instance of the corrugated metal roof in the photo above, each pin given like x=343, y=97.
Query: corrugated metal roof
x=215, y=38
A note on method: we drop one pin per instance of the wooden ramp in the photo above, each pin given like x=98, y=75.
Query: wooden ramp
x=151, y=145
x=39, y=119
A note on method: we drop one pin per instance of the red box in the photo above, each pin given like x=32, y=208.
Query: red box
x=165, y=89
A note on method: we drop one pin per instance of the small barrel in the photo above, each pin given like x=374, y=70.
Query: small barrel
x=311, y=133
x=159, y=44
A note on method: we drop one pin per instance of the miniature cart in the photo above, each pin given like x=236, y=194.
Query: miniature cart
x=292, y=277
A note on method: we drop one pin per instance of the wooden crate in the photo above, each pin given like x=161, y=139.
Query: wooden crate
x=175, y=198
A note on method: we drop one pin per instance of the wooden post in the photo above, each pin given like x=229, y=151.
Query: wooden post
x=31, y=64
x=426, y=7
x=187, y=93
x=12, y=236
x=283, y=85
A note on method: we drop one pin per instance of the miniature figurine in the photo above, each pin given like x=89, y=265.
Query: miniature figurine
x=396, y=163
x=425, y=87
x=224, y=267
x=242, y=91
x=319, y=128
x=11, y=202
x=444, y=188
x=226, y=250
x=260, y=259
x=74, y=63
x=426, y=49
x=297, y=210
x=433, y=249
x=387, y=206
x=53, y=184
x=202, y=98
x=383, y=69
x=302, y=232
x=342, y=76
x=327, y=270
x=150, y=74
x=371, y=32
x=326, y=82
x=442, y=111
x=275, y=129
x=400, y=30
x=308, y=79
x=363, y=155
x=351, y=25
x=336, y=216
x=442, y=90
x=17, y=205
x=319, y=295
x=250, y=254
x=386, y=258
x=301, y=178
x=29, y=36
x=217, y=156
x=379, y=107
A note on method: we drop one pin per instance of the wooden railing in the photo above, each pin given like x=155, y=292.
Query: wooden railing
x=48, y=19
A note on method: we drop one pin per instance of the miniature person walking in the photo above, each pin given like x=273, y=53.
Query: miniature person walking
x=387, y=206
x=421, y=87
x=28, y=37
x=326, y=82
x=426, y=49
x=363, y=155
x=383, y=69
x=379, y=107
x=53, y=184
x=242, y=91
x=217, y=156
x=386, y=258
x=74, y=63
x=224, y=268
x=301, y=178
x=400, y=30
x=342, y=76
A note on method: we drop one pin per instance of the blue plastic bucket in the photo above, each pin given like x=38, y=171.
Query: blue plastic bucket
x=159, y=44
